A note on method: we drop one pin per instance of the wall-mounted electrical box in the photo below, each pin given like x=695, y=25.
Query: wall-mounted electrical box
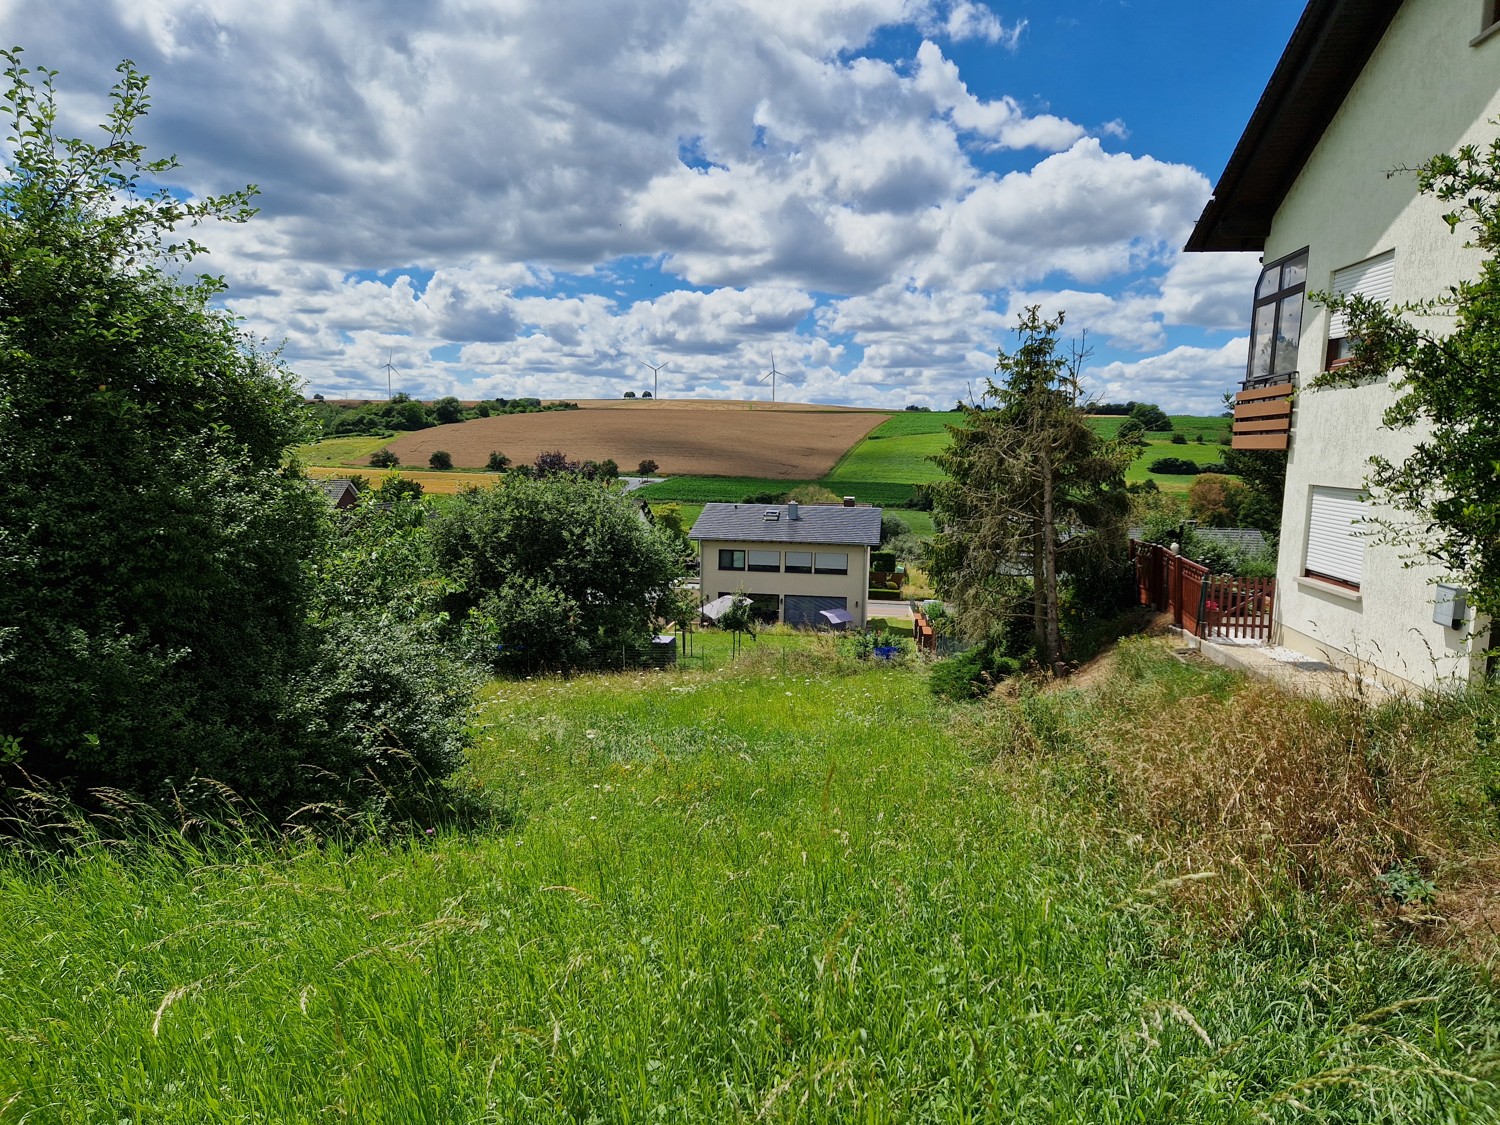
x=1450, y=605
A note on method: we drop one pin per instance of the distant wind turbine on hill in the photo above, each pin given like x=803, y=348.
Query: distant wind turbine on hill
x=389, y=369
x=656, y=369
x=771, y=375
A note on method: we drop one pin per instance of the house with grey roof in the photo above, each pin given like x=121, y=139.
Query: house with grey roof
x=341, y=493
x=792, y=561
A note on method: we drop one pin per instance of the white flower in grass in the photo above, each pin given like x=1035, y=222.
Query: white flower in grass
x=590, y=734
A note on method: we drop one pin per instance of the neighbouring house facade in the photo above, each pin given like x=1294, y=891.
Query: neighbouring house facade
x=1364, y=88
x=792, y=561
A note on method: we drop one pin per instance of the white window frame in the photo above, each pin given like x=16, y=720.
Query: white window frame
x=1335, y=552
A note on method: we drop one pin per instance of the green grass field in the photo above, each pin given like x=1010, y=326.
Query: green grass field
x=899, y=450
x=341, y=452
x=790, y=890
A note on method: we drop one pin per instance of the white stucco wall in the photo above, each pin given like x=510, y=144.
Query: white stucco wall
x=1425, y=90
x=852, y=587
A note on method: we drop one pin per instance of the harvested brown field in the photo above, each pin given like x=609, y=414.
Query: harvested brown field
x=784, y=441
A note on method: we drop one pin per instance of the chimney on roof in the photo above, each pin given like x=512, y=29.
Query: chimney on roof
x=848, y=501
x=791, y=511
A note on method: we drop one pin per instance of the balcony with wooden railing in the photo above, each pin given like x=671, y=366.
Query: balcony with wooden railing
x=1263, y=416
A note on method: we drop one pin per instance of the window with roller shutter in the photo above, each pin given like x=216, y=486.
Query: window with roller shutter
x=1372, y=279
x=1336, y=536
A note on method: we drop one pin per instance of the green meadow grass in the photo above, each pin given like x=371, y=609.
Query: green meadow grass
x=898, y=450
x=1189, y=425
x=790, y=890
x=339, y=452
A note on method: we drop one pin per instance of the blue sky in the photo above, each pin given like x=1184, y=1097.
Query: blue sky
x=537, y=197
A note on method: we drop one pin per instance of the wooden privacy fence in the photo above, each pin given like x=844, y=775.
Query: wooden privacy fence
x=1211, y=606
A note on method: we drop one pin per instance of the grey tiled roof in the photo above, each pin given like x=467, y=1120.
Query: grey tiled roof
x=1241, y=538
x=747, y=523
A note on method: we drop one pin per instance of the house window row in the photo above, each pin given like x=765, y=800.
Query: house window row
x=1276, y=326
x=796, y=562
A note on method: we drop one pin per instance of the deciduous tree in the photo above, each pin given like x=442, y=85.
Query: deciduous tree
x=554, y=571
x=160, y=620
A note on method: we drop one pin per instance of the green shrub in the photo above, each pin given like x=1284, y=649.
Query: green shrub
x=883, y=560
x=497, y=461
x=1180, y=439
x=1175, y=466
x=384, y=459
x=441, y=460
x=554, y=571
x=970, y=675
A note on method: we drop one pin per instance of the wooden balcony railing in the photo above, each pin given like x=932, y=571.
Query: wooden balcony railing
x=1263, y=417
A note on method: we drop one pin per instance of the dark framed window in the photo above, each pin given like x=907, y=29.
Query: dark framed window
x=799, y=562
x=1276, y=325
x=731, y=560
x=831, y=562
x=765, y=561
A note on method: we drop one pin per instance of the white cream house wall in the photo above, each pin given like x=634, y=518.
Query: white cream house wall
x=852, y=586
x=1425, y=90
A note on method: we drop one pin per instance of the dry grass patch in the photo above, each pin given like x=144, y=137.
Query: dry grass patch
x=1251, y=795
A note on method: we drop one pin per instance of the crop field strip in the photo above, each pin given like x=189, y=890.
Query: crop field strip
x=780, y=444
x=877, y=467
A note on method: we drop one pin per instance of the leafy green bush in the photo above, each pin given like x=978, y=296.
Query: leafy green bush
x=441, y=460
x=384, y=459
x=970, y=675
x=1175, y=466
x=891, y=527
x=883, y=560
x=552, y=571
x=497, y=461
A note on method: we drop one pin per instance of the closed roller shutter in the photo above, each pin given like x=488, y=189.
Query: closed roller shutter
x=1372, y=278
x=1336, y=535
x=803, y=609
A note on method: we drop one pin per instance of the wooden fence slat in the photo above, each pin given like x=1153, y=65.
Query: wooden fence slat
x=1275, y=390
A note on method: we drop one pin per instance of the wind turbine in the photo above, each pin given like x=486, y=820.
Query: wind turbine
x=655, y=371
x=771, y=375
x=389, y=370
